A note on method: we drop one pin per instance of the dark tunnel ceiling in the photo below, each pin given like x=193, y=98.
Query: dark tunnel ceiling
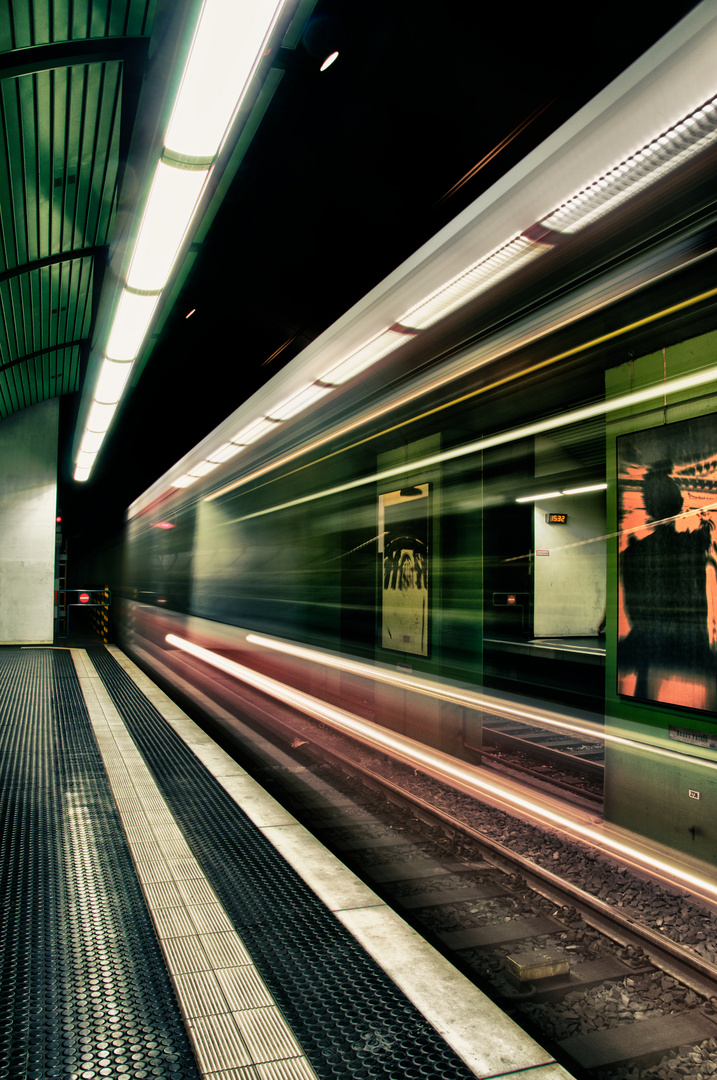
x=351, y=170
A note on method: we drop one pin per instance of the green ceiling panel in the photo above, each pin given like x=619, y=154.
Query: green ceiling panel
x=60, y=131
x=26, y=24
x=45, y=308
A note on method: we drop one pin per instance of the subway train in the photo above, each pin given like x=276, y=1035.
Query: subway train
x=491, y=486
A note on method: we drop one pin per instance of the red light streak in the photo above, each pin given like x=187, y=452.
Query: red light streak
x=467, y=777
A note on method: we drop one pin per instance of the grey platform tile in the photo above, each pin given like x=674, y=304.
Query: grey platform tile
x=152, y=870
x=137, y=832
x=217, y=760
x=168, y=831
x=224, y=950
x=174, y=849
x=267, y=1034
x=488, y=1041
x=184, y=955
x=209, y=918
x=243, y=988
x=288, y=1069
x=173, y=922
x=184, y=869
x=200, y=994
x=162, y=894
x=197, y=891
x=249, y=1073
x=332, y=881
x=217, y=1043
x=552, y=1071
x=260, y=807
x=146, y=852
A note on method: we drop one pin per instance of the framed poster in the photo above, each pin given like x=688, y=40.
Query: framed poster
x=403, y=524
x=667, y=628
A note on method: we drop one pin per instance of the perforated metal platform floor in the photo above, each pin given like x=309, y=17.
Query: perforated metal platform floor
x=115, y=911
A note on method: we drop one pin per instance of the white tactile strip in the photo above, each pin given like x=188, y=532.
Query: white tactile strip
x=237, y=1031
x=489, y=1042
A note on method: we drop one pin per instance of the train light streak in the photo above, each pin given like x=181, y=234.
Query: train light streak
x=298, y=402
x=539, y=427
x=471, y=699
x=645, y=166
x=565, y=491
x=225, y=452
x=481, y=359
x=469, y=778
x=472, y=281
x=542, y=495
x=583, y=490
x=369, y=353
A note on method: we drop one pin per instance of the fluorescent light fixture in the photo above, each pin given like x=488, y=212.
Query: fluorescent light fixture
x=100, y=417
x=81, y=474
x=228, y=44
x=329, y=61
x=580, y=490
x=170, y=208
x=543, y=495
x=85, y=459
x=132, y=318
x=225, y=453
x=112, y=381
x=682, y=141
x=92, y=441
x=476, y=279
x=370, y=353
x=254, y=431
x=300, y=401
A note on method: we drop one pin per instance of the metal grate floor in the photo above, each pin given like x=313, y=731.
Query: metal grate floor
x=85, y=990
x=348, y=1015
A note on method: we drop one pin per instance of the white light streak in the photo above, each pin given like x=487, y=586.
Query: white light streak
x=551, y=423
x=582, y=490
x=472, y=699
x=468, y=777
x=543, y=495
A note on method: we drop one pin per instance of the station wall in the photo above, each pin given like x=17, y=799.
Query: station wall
x=28, y=501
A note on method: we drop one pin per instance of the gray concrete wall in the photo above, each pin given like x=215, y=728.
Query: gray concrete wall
x=571, y=579
x=28, y=500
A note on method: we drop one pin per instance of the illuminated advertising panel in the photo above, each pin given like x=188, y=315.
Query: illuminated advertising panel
x=403, y=547
x=667, y=631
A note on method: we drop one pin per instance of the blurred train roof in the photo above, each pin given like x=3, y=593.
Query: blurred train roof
x=349, y=172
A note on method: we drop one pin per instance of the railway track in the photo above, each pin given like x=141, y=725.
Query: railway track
x=608, y=994
x=573, y=765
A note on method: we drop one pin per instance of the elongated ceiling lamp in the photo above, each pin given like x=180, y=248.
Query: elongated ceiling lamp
x=228, y=44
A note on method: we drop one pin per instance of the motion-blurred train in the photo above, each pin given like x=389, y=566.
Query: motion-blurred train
x=492, y=484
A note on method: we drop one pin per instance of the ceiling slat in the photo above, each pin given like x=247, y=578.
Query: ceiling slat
x=62, y=88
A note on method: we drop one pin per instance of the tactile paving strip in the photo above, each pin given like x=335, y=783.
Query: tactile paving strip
x=350, y=1018
x=85, y=992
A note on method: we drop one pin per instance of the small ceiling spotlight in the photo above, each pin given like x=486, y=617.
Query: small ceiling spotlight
x=328, y=61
